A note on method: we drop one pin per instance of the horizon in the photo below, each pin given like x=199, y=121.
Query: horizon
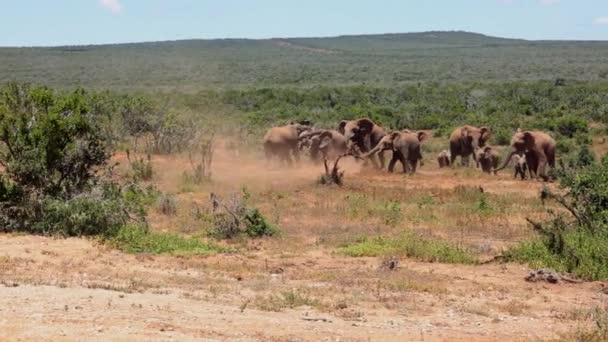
x=110, y=22
x=307, y=37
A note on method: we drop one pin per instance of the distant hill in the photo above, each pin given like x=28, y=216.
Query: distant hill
x=386, y=59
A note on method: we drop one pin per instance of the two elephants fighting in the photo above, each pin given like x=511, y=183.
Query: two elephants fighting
x=362, y=138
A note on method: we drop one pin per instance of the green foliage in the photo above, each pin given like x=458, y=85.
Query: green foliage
x=137, y=239
x=574, y=239
x=256, y=224
x=390, y=212
x=386, y=59
x=141, y=169
x=51, y=144
x=92, y=214
x=410, y=245
x=234, y=217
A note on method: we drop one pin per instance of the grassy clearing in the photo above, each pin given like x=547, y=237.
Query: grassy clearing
x=133, y=239
x=410, y=245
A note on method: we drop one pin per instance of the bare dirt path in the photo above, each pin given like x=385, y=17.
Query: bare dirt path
x=76, y=289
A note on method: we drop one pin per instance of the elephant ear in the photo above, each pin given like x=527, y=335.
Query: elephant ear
x=486, y=133
x=529, y=138
x=366, y=125
x=341, y=126
x=422, y=136
x=464, y=133
x=393, y=137
x=325, y=141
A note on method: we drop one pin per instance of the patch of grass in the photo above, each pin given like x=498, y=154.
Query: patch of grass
x=410, y=245
x=390, y=212
x=286, y=300
x=586, y=254
x=135, y=239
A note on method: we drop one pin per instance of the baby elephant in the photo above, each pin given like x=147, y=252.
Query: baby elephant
x=487, y=159
x=520, y=166
x=443, y=159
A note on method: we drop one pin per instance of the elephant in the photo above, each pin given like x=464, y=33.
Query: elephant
x=488, y=159
x=324, y=144
x=363, y=135
x=443, y=159
x=405, y=146
x=282, y=142
x=520, y=166
x=465, y=140
x=539, y=149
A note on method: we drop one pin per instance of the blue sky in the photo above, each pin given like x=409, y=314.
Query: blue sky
x=61, y=22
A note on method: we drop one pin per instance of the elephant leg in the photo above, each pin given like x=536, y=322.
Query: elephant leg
x=404, y=159
x=296, y=154
x=542, y=167
x=414, y=165
x=382, y=160
x=391, y=165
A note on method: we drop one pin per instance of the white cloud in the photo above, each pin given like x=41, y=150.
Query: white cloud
x=113, y=6
x=601, y=21
x=548, y=2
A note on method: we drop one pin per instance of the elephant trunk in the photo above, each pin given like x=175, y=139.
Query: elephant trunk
x=375, y=150
x=504, y=164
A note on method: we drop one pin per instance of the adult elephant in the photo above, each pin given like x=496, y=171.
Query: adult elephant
x=282, y=142
x=539, y=149
x=465, y=140
x=324, y=144
x=363, y=134
x=405, y=146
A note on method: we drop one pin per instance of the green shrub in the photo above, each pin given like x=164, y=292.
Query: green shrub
x=141, y=169
x=137, y=239
x=574, y=239
x=412, y=246
x=55, y=150
x=256, y=225
x=233, y=217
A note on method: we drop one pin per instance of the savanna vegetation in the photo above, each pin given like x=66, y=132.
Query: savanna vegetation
x=155, y=149
x=378, y=60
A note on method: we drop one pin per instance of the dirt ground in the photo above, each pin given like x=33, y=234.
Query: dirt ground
x=297, y=287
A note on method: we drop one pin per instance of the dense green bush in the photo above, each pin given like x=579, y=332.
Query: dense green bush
x=52, y=150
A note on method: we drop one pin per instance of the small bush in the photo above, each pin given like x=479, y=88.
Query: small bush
x=167, y=204
x=410, y=245
x=141, y=169
x=137, y=239
x=232, y=218
x=256, y=224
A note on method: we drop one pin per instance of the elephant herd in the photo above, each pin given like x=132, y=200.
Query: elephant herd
x=531, y=151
